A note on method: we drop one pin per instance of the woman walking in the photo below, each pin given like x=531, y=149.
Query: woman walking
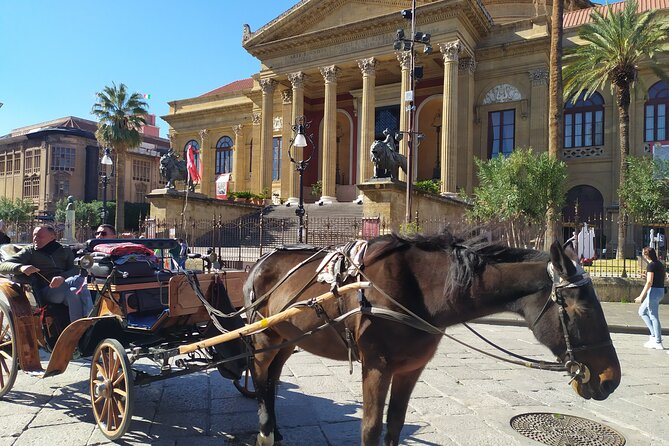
x=650, y=297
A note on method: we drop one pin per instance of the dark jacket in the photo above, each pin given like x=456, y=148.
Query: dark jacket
x=4, y=238
x=52, y=260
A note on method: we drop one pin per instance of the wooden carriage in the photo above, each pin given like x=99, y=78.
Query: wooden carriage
x=133, y=318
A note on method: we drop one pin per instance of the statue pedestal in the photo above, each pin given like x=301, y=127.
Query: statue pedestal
x=169, y=204
x=387, y=198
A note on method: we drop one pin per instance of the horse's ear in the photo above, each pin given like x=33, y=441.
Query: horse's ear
x=562, y=259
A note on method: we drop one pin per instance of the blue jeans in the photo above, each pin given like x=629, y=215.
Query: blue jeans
x=650, y=312
x=78, y=305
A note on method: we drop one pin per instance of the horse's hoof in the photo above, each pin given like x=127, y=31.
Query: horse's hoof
x=265, y=440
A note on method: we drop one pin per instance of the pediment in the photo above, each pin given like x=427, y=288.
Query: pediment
x=309, y=16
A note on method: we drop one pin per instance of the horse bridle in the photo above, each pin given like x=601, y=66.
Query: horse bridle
x=576, y=369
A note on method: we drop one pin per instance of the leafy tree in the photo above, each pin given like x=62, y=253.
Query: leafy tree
x=86, y=214
x=120, y=116
x=617, y=43
x=516, y=192
x=645, y=190
x=18, y=210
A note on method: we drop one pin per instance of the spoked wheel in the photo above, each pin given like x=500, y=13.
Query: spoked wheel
x=9, y=363
x=111, y=388
x=245, y=384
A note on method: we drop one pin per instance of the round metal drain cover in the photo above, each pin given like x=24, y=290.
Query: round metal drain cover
x=565, y=430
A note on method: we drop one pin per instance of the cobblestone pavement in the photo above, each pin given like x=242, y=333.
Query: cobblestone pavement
x=463, y=398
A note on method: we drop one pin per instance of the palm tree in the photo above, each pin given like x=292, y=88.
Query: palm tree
x=120, y=116
x=617, y=43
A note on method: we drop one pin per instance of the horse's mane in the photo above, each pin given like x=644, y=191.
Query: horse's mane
x=468, y=255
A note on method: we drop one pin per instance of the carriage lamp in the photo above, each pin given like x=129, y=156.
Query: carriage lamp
x=84, y=262
x=301, y=140
x=105, y=161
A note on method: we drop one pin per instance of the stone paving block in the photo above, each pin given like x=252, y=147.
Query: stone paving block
x=232, y=404
x=309, y=369
x=233, y=423
x=74, y=434
x=14, y=425
x=335, y=408
x=313, y=435
x=432, y=407
x=7, y=441
x=192, y=394
x=342, y=433
x=180, y=424
x=316, y=385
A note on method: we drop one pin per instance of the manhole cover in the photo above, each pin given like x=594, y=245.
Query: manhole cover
x=565, y=430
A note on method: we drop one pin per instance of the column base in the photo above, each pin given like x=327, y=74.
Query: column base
x=292, y=201
x=326, y=200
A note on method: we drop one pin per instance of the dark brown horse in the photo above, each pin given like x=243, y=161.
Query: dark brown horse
x=444, y=282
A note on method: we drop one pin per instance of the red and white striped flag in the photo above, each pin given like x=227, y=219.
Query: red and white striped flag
x=191, y=165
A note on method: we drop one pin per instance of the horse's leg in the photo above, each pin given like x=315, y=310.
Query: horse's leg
x=267, y=369
x=400, y=392
x=375, y=383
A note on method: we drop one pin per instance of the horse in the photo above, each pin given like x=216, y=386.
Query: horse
x=386, y=160
x=440, y=281
x=173, y=169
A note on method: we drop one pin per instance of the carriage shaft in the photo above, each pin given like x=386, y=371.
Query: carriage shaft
x=269, y=321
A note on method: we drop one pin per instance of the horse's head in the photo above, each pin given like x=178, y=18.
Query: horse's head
x=570, y=322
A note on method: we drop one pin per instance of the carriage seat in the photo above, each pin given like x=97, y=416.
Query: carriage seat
x=8, y=250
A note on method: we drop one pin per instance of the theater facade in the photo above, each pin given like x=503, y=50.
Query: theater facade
x=482, y=92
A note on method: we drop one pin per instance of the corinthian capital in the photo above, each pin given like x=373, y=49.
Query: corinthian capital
x=367, y=66
x=268, y=85
x=539, y=77
x=255, y=118
x=237, y=130
x=296, y=79
x=404, y=57
x=330, y=73
x=451, y=50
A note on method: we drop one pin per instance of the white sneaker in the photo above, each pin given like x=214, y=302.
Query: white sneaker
x=658, y=346
x=652, y=344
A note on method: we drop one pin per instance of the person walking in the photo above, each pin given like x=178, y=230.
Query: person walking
x=650, y=297
x=183, y=253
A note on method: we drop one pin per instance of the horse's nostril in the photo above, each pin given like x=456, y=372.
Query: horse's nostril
x=609, y=386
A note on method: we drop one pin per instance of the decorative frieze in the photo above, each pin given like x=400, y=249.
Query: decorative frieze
x=268, y=85
x=286, y=96
x=582, y=152
x=367, y=66
x=538, y=77
x=502, y=93
x=277, y=123
x=330, y=73
x=451, y=50
x=255, y=118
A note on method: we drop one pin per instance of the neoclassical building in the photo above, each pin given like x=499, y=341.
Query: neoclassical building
x=481, y=93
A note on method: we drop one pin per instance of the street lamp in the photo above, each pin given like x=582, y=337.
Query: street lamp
x=301, y=140
x=105, y=161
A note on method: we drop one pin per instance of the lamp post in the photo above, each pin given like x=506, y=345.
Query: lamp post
x=407, y=43
x=301, y=140
x=105, y=161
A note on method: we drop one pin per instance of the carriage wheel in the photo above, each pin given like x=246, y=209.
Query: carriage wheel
x=111, y=388
x=9, y=364
x=245, y=384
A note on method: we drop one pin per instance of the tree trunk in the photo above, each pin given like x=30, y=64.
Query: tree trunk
x=120, y=191
x=555, y=107
x=623, y=99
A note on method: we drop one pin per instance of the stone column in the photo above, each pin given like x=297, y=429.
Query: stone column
x=449, y=116
x=268, y=86
x=404, y=57
x=367, y=118
x=286, y=135
x=207, y=165
x=329, y=153
x=254, y=154
x=467, y=67
x=297, y=82
x=238, y=179
x=538, y=107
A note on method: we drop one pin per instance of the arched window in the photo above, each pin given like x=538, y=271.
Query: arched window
x=224, y=155
x=584, y=121
x=196, y=149
x=656, y=116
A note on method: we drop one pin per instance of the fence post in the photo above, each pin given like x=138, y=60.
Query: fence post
x=261, y=231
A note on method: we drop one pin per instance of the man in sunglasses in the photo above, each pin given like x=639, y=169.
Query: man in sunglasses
x=105, y=231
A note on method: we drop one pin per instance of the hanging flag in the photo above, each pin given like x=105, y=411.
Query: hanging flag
x=193, y=174
x=146, y=96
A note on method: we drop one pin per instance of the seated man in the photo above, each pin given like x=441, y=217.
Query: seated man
x=105, y=231
x=56, y=280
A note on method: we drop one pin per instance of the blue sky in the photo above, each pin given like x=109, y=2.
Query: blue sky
x=54, y=55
